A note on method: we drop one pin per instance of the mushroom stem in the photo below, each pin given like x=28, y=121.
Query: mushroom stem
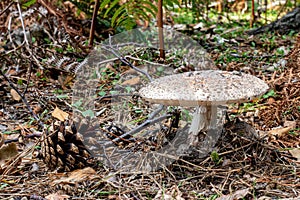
x=205, y=118
x=199, y=123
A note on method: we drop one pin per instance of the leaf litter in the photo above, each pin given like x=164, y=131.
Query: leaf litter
x=257, y=154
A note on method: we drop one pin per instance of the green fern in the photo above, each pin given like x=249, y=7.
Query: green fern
x=125, y=14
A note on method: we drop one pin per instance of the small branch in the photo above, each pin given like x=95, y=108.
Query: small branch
x=146, y=61
x=28, y=80
x=155, y=112
x=7, y=7
x=33, y=135
x=23, y=99
x=112, y=96
x=160, y=30
x=124, y=60
x=133, y=58
x=22, y=22
x=147, y=123
x=94, y=20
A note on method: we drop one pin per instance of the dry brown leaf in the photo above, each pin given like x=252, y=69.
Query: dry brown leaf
x=59, y=114
x=172, y=193
x=280, y=132
x=270, y=100
x=295, y=153
x=291, y=124
x=79, y=14
x=8, y=151
x=77, y=176
x=15, y=95
x=239, y=194
x=133, y=81
x=129, y=71
x=57, y=196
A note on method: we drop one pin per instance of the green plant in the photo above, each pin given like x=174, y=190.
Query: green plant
x=271, y=93
x=127, y=13
x=294, y=131
x=215, y=157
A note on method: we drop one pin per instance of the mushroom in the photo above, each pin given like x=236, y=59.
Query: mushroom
x=205, y=90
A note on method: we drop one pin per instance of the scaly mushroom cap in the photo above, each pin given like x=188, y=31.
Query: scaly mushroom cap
x=203, y=88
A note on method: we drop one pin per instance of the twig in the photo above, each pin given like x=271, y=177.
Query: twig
x=112, y=96
x=124, y=60
x=160, y=30
x=22, y=22
x=33, y=135
x=155, y=112
x=147, y=123
x=28, y=79
x=94, y=20
x=9, y=29
x=146, y=61
x=133, y=58
x=23, y=99
x=7, y=7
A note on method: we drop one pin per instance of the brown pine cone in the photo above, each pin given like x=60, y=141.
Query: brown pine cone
x=62, y=147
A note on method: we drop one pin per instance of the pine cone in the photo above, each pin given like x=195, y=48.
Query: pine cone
x=62, y=147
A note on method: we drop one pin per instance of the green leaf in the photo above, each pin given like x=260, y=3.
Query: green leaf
x=102, y=93
x=78, y=103
x=113, y=4
x=28, y=4
x=117, y=14
x=153, y=10
x=271, y=93
x=138, y=11
x=103, y=4
x=20, y=81
x=121, y=19
x=62, y=96
x=89, y=113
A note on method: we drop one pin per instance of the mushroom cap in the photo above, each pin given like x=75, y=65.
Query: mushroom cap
x=205, y=87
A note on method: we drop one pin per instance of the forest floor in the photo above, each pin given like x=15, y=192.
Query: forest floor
x=256, y=157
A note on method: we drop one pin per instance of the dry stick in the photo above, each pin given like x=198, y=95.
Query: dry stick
x=112, y=96
x=28, y=79
x=147, y=123
x=160, y=30
x=123, y=59
x=23, y=99
x=22, y=22
x=252, y=14
x=7, y=7
x=94, y=18
x=150, y=119
x=33, y=135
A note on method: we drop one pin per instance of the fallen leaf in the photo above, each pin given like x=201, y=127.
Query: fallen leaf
x=280, y=132
x=15, y=95
x=270, y=100
x=37, y=109
x=59, y=114
x=295, y=153
x=172, y=193
x=8, y=151
x=291, y=124
x=132, y=81
x=77, y=176
x=57, y=196
x=239, y=194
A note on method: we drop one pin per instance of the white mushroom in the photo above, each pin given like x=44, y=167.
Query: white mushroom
x=204, y=90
